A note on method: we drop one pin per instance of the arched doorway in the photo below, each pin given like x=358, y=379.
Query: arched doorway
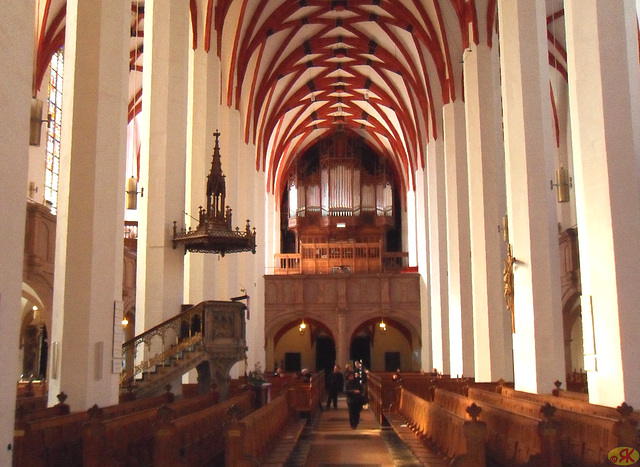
x=34, y=342
x=385, y=344
x=361, y=350
x=296, y=347
x=325, y=354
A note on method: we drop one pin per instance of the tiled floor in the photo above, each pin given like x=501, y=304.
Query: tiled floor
x=331, y=442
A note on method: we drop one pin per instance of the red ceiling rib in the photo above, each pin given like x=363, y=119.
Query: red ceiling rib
x=274, y=53
x=193, y=9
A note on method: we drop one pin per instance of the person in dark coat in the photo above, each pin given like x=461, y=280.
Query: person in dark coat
x=334, y=387
x=353, y=391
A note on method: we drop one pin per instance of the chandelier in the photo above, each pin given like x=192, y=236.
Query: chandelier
x=214, y=233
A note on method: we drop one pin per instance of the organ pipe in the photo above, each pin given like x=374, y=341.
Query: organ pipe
x=341, y=185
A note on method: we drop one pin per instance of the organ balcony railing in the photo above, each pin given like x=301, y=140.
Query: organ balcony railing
x=341, y=258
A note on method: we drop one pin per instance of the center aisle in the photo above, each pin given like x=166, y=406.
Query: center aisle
x=331, y=442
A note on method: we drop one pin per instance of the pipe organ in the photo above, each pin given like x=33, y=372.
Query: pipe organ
x=342, y=193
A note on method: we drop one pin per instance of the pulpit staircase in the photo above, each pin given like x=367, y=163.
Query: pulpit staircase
x=162, y=354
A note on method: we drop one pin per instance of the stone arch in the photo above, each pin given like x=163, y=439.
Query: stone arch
x=396, y=340
x=283, y=337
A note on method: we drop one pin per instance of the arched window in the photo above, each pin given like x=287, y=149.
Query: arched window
x=52, y=168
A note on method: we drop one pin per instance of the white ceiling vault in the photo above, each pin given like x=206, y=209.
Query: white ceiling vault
x=297, y=70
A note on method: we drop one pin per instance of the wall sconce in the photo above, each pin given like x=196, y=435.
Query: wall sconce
x=303, y=327
x=563, y=183
x=132, y=193
x=33, y=189
x=125, y=321
x=35, y=122
x=383, y=326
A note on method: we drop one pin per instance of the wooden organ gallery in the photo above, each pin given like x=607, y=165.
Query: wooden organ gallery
x=341, y=210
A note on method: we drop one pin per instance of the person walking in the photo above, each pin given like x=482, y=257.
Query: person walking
x=353, y=391
x=336, y=383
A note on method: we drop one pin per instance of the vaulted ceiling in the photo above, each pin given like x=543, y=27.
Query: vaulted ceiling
x=297, y=70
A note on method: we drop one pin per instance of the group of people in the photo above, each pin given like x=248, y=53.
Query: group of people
x=353, y=384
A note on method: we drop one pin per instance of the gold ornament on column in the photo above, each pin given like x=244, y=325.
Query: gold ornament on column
x=507, y=273
x=508, y=285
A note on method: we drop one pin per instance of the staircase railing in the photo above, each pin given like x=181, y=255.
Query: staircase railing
x=162, y=342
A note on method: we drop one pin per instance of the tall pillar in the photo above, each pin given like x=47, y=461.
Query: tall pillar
x=164, y=111
x=415, y=218
x=418, y=215
x=16, y=75
x=538, y=344
x=89, y=237
x=342, y=346
x=458, y=240
x=604, y=97
x=202, y=122
x=487, y=206
x=437, y=240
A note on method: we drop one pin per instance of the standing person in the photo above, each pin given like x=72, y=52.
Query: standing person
x=347, y=369
x=361, y=375
x=336, y=383
x=360, y=372
x=353, y=390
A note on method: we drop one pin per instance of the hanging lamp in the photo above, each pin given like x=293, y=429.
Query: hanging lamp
x=214, y=233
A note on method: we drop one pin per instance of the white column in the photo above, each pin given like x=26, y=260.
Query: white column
x=270, y=240
x=342, y=344
x=417, y=212
x=604, y=86
x=164, y=111
x=538, y=343
x=89, y=235
x=437, y=240
x=15, y=93
x=487, y=206
x=415, y=233
x=203, y=110
x=459, y=241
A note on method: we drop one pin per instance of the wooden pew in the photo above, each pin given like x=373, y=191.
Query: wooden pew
x=266, y=437
x=422, y=424
x=383, y=386
x=29, y=404
x=585, y=438
x=128, y=440
x=58, y=440
x=307, y=398
x=513, y=438
x=381, y=390
x=24, y=416
x=28, y=389
x=570, y=404
x=196, y=439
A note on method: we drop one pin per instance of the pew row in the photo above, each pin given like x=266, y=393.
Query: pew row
x=585, y=439
x=382, y=387
x=570, y=403
x=58, y=440
x=511, y=439
x=25, y=416
x=128, y=440
x=427, y=428
x=196, y=439
x=266, y=437
x=306, y=398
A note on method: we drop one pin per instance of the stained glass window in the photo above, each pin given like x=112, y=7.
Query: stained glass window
x=52, y=169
